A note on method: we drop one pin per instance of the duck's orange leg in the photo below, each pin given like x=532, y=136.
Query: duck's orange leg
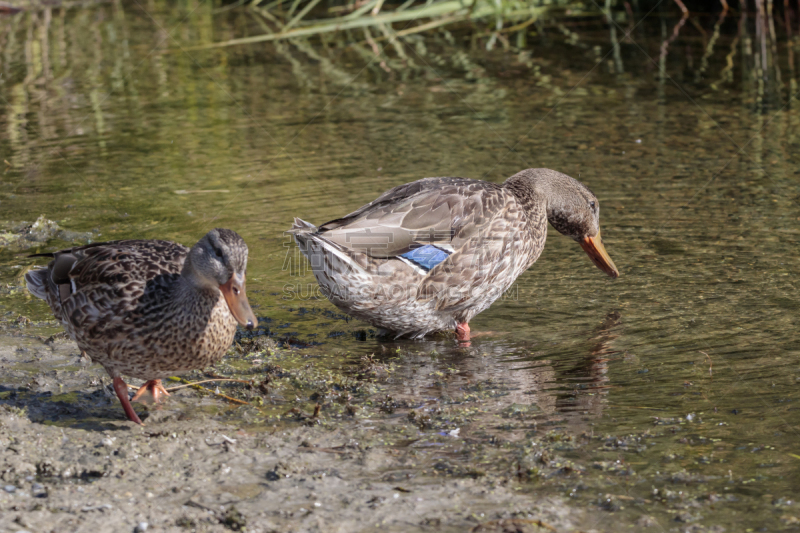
x=462, y=332
x=156, y=389
x=121, y=388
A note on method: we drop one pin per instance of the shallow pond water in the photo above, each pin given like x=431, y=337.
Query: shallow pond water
x=686, y=369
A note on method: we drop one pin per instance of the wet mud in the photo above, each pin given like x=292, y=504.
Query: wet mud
x=294, y=445
x=71, y=462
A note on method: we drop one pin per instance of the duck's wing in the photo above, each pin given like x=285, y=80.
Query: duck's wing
x=484, y=265
x=119, y=263
x=441, y=212
x=99, y=282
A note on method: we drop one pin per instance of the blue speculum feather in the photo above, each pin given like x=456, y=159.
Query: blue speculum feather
x=427, y=256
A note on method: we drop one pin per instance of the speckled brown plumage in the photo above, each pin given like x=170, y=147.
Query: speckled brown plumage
x=139, y=308
x=492, y=233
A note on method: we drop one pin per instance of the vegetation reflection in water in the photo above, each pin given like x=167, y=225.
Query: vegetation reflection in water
x=671, y=391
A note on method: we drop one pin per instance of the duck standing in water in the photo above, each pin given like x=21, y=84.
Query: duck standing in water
x=149, y=308
x=430, y=255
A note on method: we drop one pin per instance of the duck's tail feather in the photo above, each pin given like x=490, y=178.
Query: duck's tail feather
x=301, y=226
x=37, y=282
x=315, y=246
x=302, y=231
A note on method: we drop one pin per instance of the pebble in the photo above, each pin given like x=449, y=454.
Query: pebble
x=10, y=488
x=39, y=490
x=141, y=527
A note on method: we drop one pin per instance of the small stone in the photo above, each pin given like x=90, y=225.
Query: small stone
x=686, y=517
x=235, y=520
x=141, y=527
x=646, y=521
x=10, y=488
x=38, y=490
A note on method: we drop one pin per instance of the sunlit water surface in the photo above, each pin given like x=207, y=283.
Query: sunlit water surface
x=105, y=133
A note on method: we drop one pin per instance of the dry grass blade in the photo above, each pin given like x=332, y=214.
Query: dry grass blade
x=361, y=10
x=300, y=15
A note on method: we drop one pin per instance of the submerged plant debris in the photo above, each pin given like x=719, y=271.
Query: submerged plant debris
x=17, y=236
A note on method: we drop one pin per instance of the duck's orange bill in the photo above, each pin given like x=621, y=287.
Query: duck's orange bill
x=593, y=246
x=235, y=296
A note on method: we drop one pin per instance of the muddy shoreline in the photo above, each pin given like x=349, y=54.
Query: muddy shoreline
x=300, y=445
x=72, y=463
x=180, y=475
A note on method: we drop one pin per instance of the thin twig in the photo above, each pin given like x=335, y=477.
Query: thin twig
x=376, y=50
x=520, y=26
x=224, y=396
x=215, y=393
x=683, y=7
x=205, y=381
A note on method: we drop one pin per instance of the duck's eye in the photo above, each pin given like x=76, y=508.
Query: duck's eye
x=218, y=252
x=591, y=204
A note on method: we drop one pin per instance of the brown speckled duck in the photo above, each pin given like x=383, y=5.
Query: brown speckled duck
x=430, y=255
x=149, y=308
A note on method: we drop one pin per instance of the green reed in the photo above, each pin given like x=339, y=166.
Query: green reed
x=285, y=19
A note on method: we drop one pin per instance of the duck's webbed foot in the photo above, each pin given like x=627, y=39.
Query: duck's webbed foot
x=156, y=390
x=121, y=388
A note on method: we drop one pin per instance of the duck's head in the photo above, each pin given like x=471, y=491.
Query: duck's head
x=572, y=209
x=219, y=261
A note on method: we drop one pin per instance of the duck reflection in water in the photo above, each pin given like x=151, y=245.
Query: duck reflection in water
x=566, y=386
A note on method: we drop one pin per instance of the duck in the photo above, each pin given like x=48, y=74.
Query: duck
x=149, y=308
x=429, y=255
